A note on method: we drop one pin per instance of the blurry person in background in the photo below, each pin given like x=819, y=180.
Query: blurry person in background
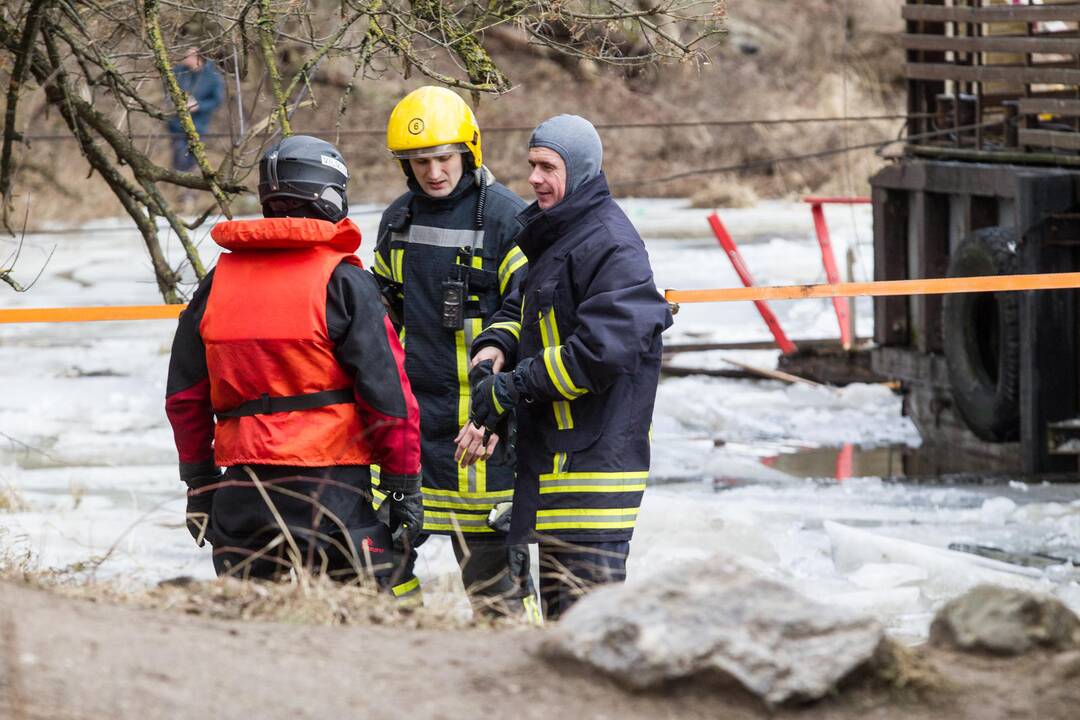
x=205, y=88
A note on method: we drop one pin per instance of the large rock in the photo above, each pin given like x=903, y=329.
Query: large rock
x=715, y=617
x=1004, y=621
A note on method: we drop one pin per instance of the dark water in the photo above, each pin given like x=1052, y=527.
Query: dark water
x=928, y=464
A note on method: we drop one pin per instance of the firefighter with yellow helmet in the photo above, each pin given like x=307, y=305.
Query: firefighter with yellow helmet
x=445, y=260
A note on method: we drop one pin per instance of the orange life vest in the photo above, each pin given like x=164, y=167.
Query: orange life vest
x=265, y=334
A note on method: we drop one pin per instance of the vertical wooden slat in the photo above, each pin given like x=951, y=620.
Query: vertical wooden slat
x=1048, y=340
x=928, y=257
x=921, y=94
x=890, y=263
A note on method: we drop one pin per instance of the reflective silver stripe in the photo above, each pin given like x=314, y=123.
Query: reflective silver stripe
x=628, y=485
x=382, y=268
x=445, y=237
x=515, y=260
x=510, y=326
x=482, y=499
x=471, y=327
x=622, y=519
x=459, y=518
x=560, y=378
x=564, y=420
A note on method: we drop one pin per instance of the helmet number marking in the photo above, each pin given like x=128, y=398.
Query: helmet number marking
x=416, y=126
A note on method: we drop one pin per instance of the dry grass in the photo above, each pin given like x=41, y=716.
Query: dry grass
x=11, y=500
x=308, y=601
x=303, y=599
x=298, y=596
x=905, y=669
x=724, y=192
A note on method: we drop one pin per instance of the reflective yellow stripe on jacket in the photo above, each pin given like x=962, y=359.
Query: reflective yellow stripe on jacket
x=556, y=369
x=513, y=261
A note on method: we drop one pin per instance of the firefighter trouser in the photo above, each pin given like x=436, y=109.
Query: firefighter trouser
x=496, y=578
x=569, y=570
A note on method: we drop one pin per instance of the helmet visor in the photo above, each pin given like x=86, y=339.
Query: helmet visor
x=434, y=151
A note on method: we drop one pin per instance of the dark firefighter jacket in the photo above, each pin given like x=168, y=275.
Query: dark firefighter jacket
x=591, y=318
x=413, y=259
x=290, y=312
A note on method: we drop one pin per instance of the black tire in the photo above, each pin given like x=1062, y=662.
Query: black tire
x=982, y=338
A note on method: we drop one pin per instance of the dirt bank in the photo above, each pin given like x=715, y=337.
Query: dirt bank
x=68, y=658
x=836, y=60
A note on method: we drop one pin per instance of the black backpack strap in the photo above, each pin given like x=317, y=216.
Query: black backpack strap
x=266, y=405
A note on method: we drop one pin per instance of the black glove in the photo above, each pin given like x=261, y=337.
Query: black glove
x=495, y=394
x=200, y=498
x=405, y=505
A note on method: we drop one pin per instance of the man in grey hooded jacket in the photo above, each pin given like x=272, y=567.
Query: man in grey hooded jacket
x=582, y=369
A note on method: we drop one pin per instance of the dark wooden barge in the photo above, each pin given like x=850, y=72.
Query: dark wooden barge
x=989, y=183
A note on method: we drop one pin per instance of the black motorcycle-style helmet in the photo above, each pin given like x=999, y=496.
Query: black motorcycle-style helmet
x=303, y=176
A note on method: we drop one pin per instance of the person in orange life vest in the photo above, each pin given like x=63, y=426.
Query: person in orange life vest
x=285, y=366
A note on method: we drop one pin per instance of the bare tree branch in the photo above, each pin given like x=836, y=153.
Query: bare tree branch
x=15, y=82
x=180, y=101
x=100, y=64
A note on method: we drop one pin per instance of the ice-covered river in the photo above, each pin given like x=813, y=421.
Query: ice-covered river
x=87, y=461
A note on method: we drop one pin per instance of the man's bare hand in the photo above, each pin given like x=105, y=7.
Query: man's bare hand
x=471, y=446
x=492, y=353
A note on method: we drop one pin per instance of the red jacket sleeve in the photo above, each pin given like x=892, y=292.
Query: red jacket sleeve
x=187, y=394
x=396, y=439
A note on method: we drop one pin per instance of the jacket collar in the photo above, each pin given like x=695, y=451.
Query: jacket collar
x=544, y=228
x=287, y=234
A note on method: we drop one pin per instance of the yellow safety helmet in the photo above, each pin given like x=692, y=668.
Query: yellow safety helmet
x=433, y=121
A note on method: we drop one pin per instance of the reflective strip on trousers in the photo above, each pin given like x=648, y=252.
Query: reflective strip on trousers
x=586, y=519
x=407, y=588
x=456, y=522
x=607, y=482
x=456, y=501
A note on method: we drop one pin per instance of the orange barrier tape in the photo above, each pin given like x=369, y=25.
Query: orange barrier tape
x=935, y=286
x=880, y=288
x=91, y=314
